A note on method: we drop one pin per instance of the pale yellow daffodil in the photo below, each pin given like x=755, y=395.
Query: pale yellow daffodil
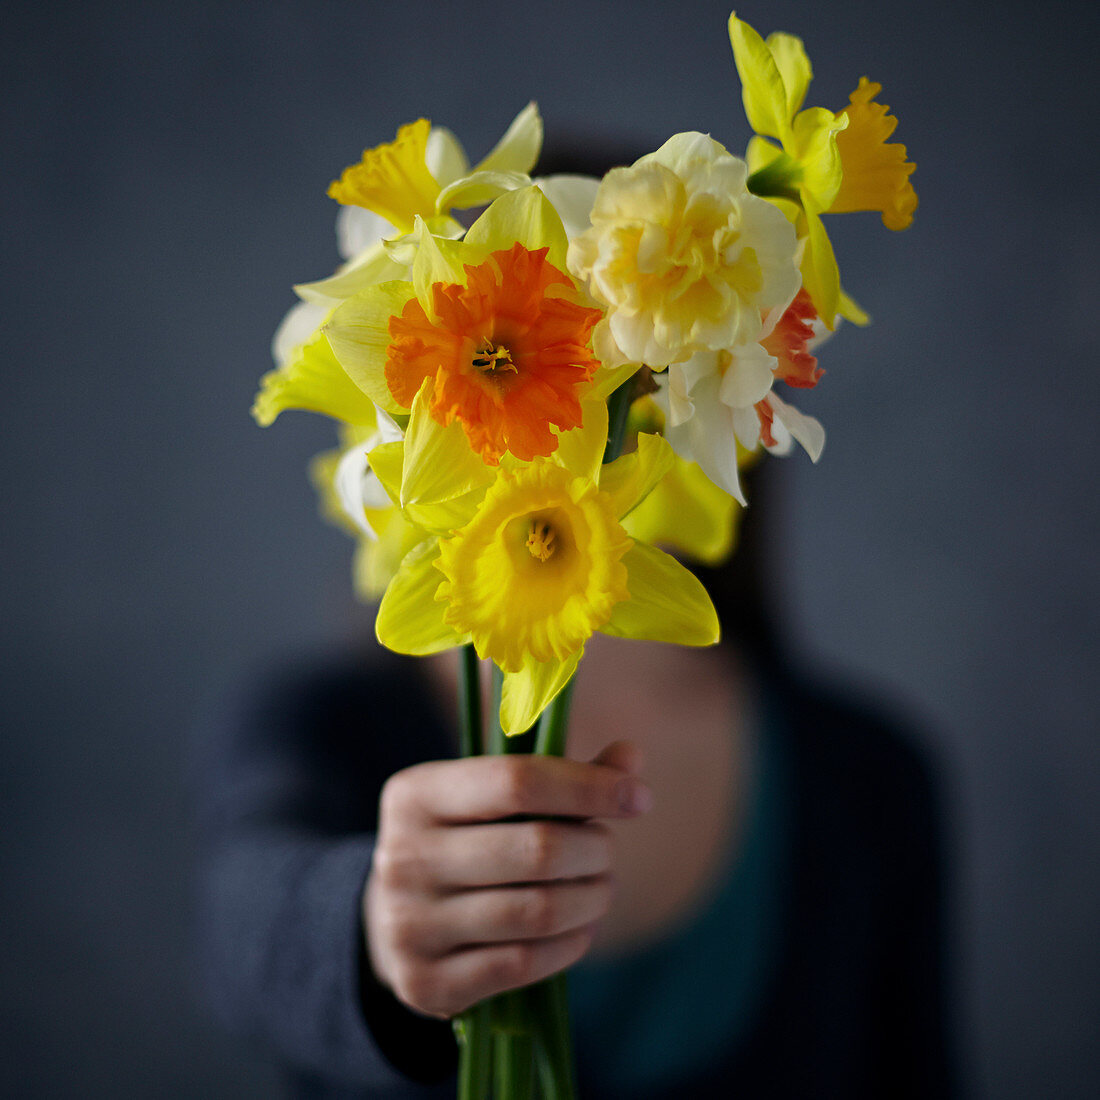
x=824, y=162
x=352, y=498
x=528, y=567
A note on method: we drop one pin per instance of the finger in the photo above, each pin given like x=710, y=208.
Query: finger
x=463, y=978
x=529, y=851
x=507, y=914
x=625, y=756
x=488, y=788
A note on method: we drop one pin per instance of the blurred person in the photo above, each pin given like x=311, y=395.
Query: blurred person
x=745, y=866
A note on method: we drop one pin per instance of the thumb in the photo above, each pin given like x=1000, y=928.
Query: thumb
x=625, y=756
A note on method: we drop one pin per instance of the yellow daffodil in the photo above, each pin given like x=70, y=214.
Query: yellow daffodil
x=825, y=162
x=486, y=349
x=684, y=258
x=530, y=566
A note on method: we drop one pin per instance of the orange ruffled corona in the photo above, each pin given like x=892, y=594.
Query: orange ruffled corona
x=508, y=354
x=795, y=365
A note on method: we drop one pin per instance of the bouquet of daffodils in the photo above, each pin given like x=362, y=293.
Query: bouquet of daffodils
x=528, y=406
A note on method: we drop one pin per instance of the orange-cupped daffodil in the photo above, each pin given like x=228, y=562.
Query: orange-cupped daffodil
x=486, y=350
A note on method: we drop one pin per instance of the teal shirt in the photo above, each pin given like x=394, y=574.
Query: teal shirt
x=646, y=1020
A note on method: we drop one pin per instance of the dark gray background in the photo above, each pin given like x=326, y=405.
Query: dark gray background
x=163, y=184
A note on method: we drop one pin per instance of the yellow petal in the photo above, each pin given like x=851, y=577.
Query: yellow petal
x=480, y=188
x=814, y=143
x=525, y=215
x=530, y=691
x=359, y=334
x=667, y=603
x=374, y=266
x=761, y=153
x=438, y=260
x=520, y=146
x=312, y=379
x=580, y=450
x=410, y=618
x=689, y=513
x=386, y=460
x=850, y=310
x=439, y=464
x=820, y=274
x=794, y=67
x=631, y=477
x=375, y=563
x=608, y=379
x=762, y=87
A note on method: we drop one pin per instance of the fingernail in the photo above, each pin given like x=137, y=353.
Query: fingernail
x=634, y=797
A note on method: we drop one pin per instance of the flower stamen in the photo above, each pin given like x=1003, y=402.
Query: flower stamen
x=541, y=539
x=491, y=358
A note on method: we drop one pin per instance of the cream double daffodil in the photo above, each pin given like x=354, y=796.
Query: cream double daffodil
x=683, y=257
x=486, y=350
x=530, y=565
x=824, y=162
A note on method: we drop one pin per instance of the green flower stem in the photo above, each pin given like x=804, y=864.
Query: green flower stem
x=474, y=1032
x=618, y=410
x=553, y=1039
x=473, y=1028
x=554, y=723
x=469, y=703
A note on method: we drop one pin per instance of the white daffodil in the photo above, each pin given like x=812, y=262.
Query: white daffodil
x=718, y=399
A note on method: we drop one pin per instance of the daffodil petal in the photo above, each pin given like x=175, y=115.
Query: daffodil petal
x=762, y=88
x=760, y=153
x=373, y=266
x=358, y=229
x=438, y=260
x=581, y=449
x=820, y=274
x=525, y=215
x=520, y=146
x=850, y=310
x=689, y=513
x=410, y=618
x=805, y=429
x=794, y=67
x=386, y=461
x=312, y=379
x=667, y=603
x=814, y=140
x=299, y=326
x=480, y=188
x=608, y=379
x=359, y=333
x=439, y=464
x=630, y=478
x=445, y=157
x=530, y=691
x=573, y=198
